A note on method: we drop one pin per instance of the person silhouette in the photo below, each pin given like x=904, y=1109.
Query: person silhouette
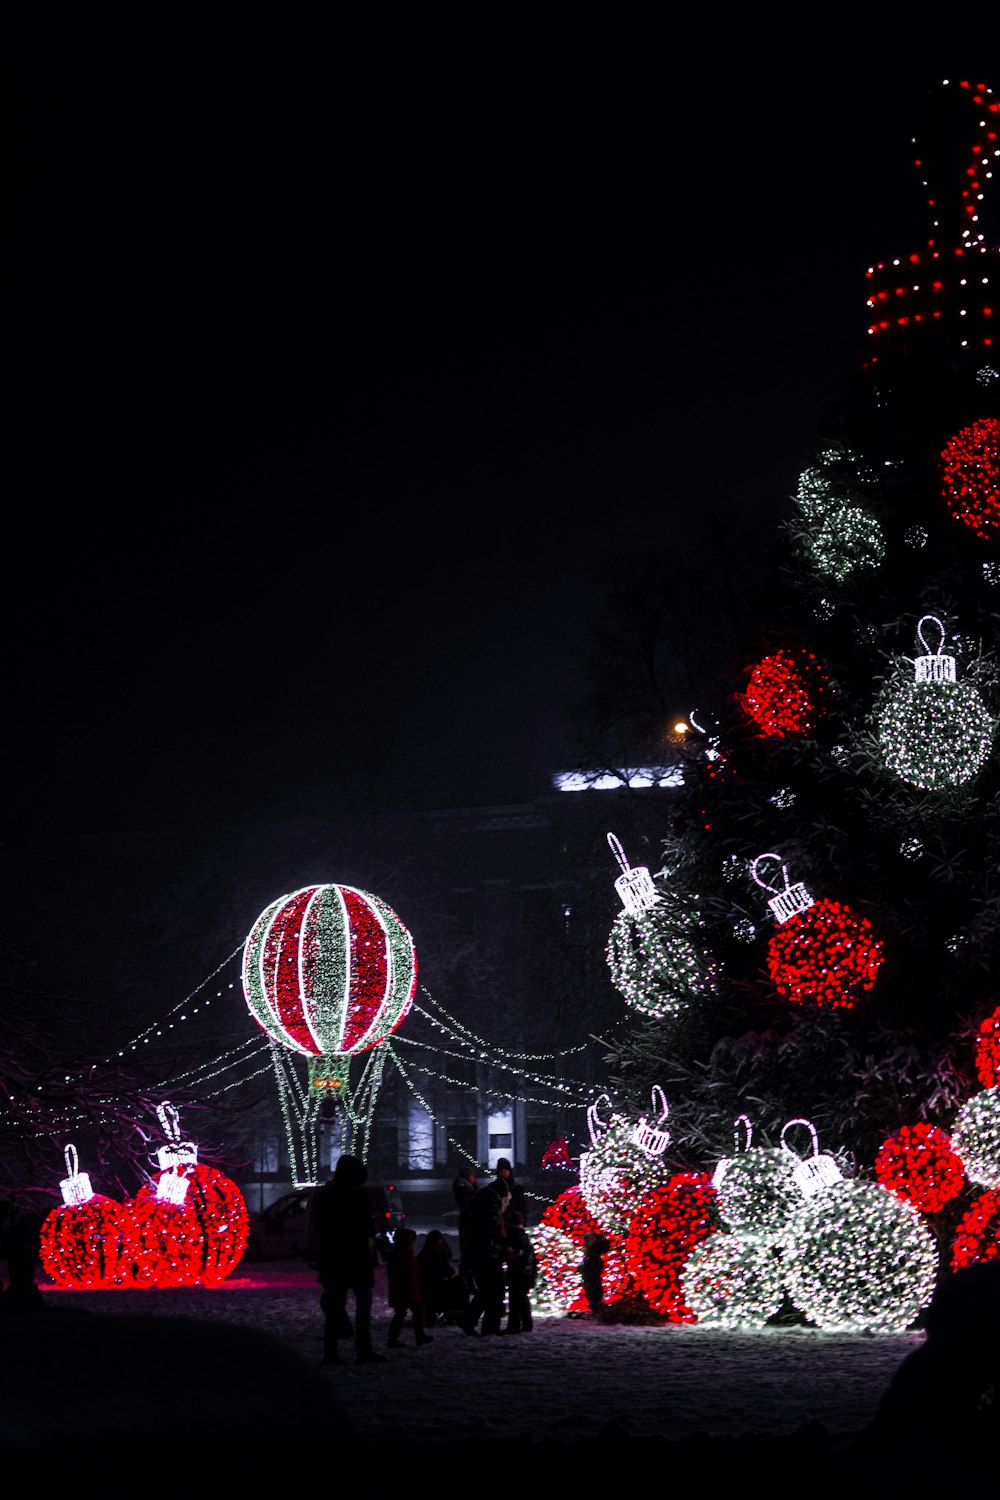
x=345, y=1229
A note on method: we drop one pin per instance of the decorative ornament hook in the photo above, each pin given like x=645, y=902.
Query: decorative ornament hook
x=595, y=1124
x=920, y=634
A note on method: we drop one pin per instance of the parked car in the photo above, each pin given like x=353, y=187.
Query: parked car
x=285, y=1229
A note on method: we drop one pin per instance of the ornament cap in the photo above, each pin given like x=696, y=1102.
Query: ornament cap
x=75, y=1188
x=934, y=666
x=653, y=1139
x=813, y=1174
x=172, y=1188
x=788, y=902
x=634, y=886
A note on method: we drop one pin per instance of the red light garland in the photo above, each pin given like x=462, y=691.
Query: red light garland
x=667, y=1225
x=786, y=693
x=971, y=477
x=918, y=1164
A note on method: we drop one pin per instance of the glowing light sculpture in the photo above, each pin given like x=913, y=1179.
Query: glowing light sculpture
x=80, y=1241
x=328, y=972
x=970, y=477
x=756, y=1190
x=625, y=1162
x=786, y=694
x=733, y=1281
x=977, y=1234
x=652, y=953
x=189, y=1225
x=859, y=1259
x=665, y=1228
x=934, y=732
x=918, y=1164
x=975, y=1137
x=840, y=536
x=823, y=953
x=988, y=1050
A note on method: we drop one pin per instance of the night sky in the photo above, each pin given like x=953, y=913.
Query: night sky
x=352, y=360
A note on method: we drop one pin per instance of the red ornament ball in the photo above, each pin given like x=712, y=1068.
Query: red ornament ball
x=81, y=1243
x=977, y=1237
x=988, y=1051
x=919, y=1166
x=570, y=1214
x=786, y=693
x=667, y=1225
x=194, y=1243
x=970, y=477
x=823, y=955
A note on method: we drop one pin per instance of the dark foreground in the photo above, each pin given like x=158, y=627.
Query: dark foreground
x=180, y=1382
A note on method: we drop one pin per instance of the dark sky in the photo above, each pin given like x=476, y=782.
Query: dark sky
x=351, y=359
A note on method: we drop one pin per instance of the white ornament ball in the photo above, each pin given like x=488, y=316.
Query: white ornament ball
x=616, y=1174
x=757, y=1193
x=733, y=1281
x=859, y=1259
x=975, y=1137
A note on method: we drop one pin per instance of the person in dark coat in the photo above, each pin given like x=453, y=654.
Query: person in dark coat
x=516, y=1199
x=522, y=1269
x=464, y=1190
x=405, y=1293
x=591, y=1269
x=444, y=1291
x=345, y=1230
x=488, y=1254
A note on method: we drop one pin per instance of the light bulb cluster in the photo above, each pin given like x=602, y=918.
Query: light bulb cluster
x=975, y=1137
x=970, y=477
x=666, y=1225
x=824, y=956
x=655, y=959
x=786, y=694
x=988, y=1050
x=918, y=1164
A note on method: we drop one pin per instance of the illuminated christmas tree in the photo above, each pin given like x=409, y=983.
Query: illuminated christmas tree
x=857, y=739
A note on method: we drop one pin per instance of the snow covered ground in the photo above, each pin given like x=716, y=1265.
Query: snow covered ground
x=235, y=1369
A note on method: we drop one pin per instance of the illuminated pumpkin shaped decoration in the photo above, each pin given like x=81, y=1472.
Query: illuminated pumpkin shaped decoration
x=80, y=1241
x=970, y=477
x=189, y=1225
x=786, y=694
x=822, y=952
x=329, y=972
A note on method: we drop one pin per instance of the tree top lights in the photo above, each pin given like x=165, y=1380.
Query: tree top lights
x=952, y=282
x=328, y=972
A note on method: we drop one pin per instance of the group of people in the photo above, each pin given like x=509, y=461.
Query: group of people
x=496, y=1256
x=497, y=1264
